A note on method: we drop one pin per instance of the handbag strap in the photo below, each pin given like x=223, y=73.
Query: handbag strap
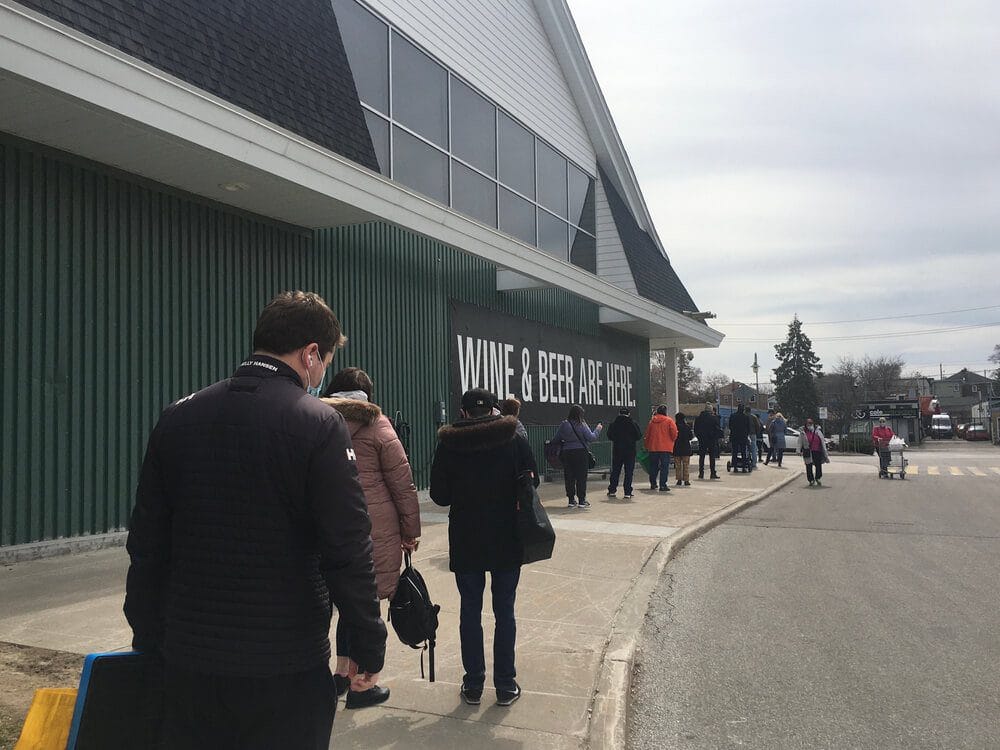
x=583, y=442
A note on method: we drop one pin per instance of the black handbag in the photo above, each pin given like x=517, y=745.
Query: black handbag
x=591, y=458
x=533, y=525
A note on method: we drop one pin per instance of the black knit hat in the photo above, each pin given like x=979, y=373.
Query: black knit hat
x=624, y=410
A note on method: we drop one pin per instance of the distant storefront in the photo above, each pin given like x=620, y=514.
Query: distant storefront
x=902, y=416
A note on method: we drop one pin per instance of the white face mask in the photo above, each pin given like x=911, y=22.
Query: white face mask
x=316, y=391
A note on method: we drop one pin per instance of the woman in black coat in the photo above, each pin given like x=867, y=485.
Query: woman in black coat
x=682, y=450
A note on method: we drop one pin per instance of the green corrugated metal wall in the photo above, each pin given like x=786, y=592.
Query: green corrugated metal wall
x=120, y=296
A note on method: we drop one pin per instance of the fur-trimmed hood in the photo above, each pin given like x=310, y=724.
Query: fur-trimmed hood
x=353, y=410
x=474, y=435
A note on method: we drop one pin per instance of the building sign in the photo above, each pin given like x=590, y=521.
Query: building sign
x=889, y=410
x=547, y=368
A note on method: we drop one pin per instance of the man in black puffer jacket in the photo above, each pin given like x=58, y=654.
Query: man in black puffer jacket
x=249, y=520
x=475, y=468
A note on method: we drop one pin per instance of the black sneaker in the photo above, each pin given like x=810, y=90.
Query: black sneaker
x=506, y=697
x=370, y=697
x=628, y=495
x=571, y=504
x=585, y=505
x=687, y=483
x=471, y=695
x=664, y=488
x=612, y=494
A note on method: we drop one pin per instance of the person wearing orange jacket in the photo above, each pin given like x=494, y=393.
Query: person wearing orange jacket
x=661, y=432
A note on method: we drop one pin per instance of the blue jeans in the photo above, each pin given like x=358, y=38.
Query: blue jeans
x=659, y=464
x=470, y=627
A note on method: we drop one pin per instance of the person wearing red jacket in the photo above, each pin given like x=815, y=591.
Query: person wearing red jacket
x=661, y=432
x=881, y=436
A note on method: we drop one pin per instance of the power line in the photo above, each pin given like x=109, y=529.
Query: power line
x=872, y=336
x=866, y=320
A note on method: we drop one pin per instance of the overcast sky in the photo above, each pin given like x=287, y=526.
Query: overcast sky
x=838, y=160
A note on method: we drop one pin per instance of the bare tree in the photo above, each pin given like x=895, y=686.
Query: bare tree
x=855, y=382
x=689, y=383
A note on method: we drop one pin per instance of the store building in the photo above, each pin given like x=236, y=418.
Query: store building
x=447, y=175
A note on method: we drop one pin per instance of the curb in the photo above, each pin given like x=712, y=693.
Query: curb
x=56, y=547
x=607, y=725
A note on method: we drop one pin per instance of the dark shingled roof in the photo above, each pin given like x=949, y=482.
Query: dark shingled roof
x=655, y=278
x=283, y=61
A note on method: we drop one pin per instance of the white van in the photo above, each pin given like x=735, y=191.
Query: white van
x=941, y=426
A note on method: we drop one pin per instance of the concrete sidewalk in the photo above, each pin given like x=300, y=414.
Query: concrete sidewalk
x=579, y=617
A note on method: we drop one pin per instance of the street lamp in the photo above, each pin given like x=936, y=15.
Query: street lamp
x=755, y=367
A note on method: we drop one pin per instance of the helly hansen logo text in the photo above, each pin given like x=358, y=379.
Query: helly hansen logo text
x=351, y=455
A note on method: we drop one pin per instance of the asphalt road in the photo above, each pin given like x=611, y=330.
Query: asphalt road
x=863, y=614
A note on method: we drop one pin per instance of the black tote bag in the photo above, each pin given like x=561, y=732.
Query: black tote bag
x=533, y=525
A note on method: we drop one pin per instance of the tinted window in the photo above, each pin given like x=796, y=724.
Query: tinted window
x=473, y=128
x=378, y=129
x=550, y=169
x=517, y=157
x=581, y=199
x=583, y=253
x=366, y=40
x=473, y=194
x=517, y=217
x=419, y=92
x=419, y=166
x=553, y=235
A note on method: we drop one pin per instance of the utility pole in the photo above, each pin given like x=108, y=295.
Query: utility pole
x=755, y=367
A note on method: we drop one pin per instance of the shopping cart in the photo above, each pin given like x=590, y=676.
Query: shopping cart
x=892, y=455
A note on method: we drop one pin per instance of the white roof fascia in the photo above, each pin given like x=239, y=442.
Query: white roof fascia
x=47, y=53
x=572, y=56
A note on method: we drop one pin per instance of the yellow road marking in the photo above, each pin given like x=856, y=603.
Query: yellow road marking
x=913, y=469
x=995, y=470
x=976, y=472
x=933, y=471
x=956, y=472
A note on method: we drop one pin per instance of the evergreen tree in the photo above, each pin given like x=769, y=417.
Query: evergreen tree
x=794, y=378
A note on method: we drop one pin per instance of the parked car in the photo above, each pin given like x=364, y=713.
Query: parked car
x=976, y=432
x=791, y=440
x=941, y=426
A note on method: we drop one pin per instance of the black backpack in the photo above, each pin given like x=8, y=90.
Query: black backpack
x=413, y=615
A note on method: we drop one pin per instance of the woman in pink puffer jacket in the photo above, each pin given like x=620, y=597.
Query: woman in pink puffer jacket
x=387, y=481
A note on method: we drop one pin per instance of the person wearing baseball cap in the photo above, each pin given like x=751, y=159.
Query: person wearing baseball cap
x=475, y=470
